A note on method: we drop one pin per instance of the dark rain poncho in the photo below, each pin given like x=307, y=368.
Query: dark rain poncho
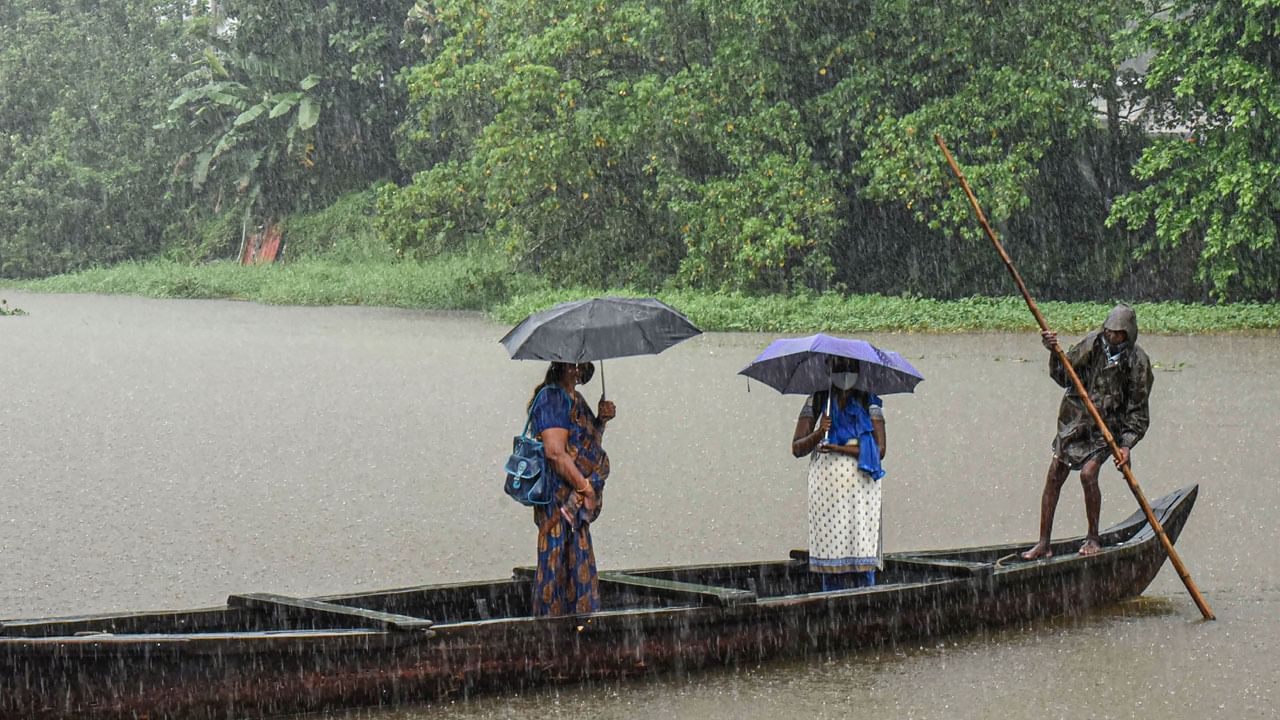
x=1119, y=389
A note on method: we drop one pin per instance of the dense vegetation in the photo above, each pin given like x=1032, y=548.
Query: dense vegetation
x=469, y=282
x=82, y=172
x=753, y=148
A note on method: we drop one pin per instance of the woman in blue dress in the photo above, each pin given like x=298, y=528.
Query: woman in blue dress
x=842, y=430
x=565, y=582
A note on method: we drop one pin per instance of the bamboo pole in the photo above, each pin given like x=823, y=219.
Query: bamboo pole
x=1084, y=394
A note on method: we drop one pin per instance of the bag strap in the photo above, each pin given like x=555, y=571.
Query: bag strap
x=529, y=422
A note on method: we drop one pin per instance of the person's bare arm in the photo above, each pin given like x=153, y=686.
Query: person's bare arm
x=808, y=434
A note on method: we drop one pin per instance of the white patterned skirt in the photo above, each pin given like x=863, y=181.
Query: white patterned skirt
x=844, y=516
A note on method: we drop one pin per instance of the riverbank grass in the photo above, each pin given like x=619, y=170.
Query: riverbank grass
x=459, y=282
x=479, y=282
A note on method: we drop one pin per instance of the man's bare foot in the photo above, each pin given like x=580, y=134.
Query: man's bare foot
x=1040, y=551
x=1090, y=547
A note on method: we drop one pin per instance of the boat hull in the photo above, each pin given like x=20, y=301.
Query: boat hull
x=658, y=619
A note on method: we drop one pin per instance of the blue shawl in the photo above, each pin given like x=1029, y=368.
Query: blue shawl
x=853, y=421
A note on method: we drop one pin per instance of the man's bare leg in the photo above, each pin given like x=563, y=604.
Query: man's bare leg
x=1053, y=481
x=1092, y=506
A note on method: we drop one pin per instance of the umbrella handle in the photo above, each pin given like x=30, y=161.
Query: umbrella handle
x=830, y=404
x=602, y=380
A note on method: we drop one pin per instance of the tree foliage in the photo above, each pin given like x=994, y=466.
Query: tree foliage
x=747, y=145
x=739, y=142
x=81, y=171
x=1214, y=178
x=618, y=142
x=1031, y=99
x=288, y=105
x=1001, y=81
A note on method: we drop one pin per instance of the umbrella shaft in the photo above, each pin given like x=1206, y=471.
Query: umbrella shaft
x=831, y=403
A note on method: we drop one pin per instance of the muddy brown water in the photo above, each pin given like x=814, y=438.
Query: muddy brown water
x=162, y=454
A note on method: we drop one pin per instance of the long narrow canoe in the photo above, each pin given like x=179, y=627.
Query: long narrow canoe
x=265, y=654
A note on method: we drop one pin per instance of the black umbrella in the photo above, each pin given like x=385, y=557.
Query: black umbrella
x=598, y=329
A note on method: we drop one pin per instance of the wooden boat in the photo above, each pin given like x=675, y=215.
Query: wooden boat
x=266, y=654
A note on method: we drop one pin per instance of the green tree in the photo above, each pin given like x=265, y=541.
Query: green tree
x=1213, y=179
x=746, y=144
x=81, y=171
x=613, y=142
x=1021, y=92
x=289, y=105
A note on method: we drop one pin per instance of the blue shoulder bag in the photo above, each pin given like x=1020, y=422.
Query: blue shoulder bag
x=527, y=482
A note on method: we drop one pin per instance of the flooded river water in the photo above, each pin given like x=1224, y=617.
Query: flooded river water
x=162, y=454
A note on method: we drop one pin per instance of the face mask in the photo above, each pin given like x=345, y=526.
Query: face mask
x=844, y=380
x=1113, y=352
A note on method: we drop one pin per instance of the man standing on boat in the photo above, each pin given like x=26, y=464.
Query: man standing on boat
x=1117, y=374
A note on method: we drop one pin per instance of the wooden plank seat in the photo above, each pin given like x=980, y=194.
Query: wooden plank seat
x=949, y=567
x=677, y=590
x=667, y=589
x=345, y=616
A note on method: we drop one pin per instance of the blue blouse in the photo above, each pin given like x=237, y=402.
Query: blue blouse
x=551, y=410
x=854, y=421
x=554, y=409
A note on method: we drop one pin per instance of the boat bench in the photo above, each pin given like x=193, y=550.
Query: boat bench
x=675, y=589
x=924, y=564
x=667, y=589
x=331, y=613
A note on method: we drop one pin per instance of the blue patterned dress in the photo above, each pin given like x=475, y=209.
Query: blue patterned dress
x=565, y=582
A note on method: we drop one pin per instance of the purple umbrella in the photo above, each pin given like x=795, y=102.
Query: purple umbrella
x=798, y=366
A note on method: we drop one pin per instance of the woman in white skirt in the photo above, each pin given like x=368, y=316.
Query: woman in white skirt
x=842, y=430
